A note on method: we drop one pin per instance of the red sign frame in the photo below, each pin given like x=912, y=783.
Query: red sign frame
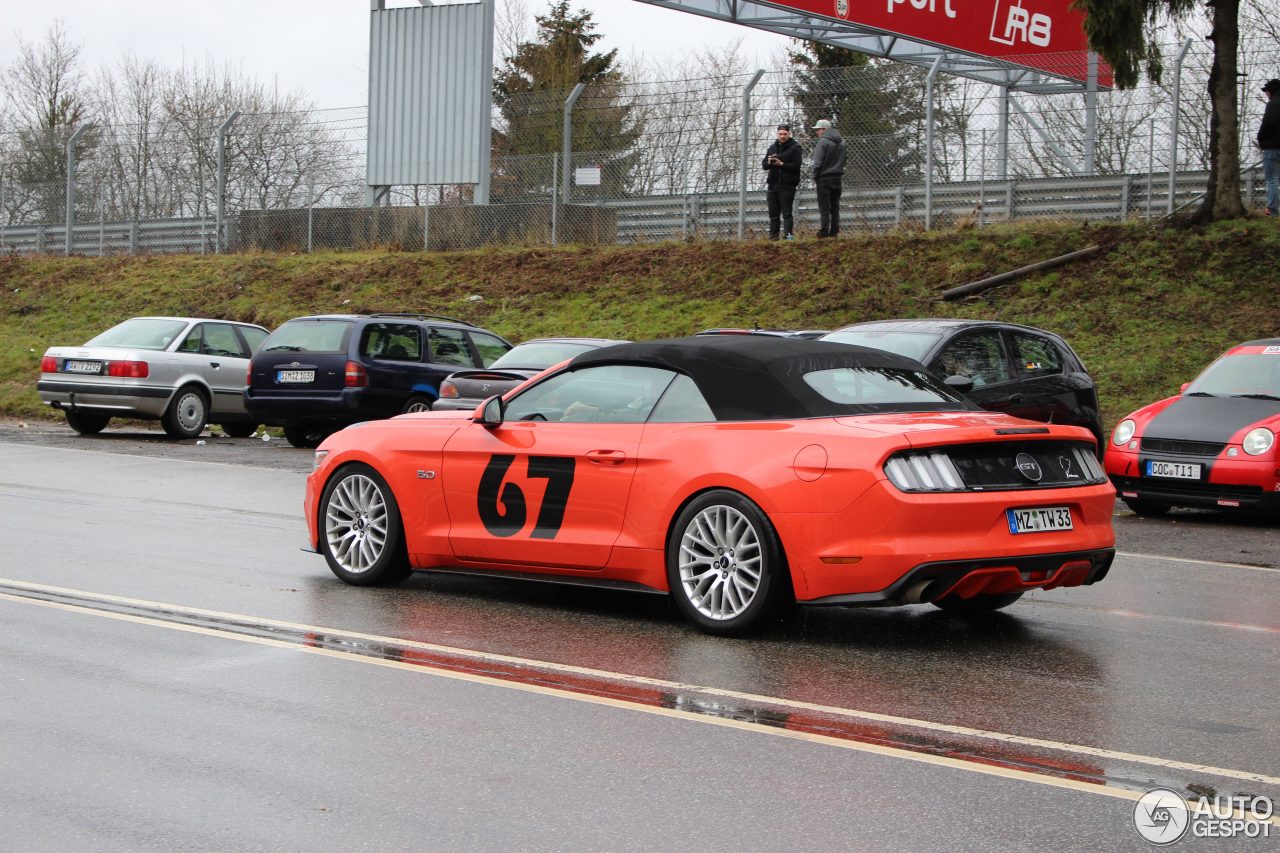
x=1047, y=35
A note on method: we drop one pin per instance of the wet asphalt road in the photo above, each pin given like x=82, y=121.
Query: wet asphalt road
x=129, y=731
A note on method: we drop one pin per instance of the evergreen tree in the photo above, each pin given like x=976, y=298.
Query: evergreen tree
x=530, y=89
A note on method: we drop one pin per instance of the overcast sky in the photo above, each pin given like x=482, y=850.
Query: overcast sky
x=319, y=46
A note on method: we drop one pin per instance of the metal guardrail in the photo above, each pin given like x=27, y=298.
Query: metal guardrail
x=159, y=236
x=715, y=216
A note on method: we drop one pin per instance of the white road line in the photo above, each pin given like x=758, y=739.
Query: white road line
x=112, y=453
x=689, y=716
x=1214, y=563
x=778, y=702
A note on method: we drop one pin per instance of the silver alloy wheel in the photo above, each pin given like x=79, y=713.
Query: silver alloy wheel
x=355, y=523
x=417, y=406
x=190, y=411
x=721, y=562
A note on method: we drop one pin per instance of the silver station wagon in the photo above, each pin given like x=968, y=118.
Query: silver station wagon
x=188, y=372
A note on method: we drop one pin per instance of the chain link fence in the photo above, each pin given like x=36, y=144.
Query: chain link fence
x=672, y=159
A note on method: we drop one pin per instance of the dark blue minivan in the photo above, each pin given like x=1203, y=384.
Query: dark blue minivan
x=315, y=375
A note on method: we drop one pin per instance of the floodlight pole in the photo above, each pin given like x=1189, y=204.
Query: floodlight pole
x=68, y=237
x=928, y=142
x=567, y=160
x=486, y=105
x=1177, y=112
x=219, y=237
x=1002, y=137
x=1091, y=117
x=746, y=152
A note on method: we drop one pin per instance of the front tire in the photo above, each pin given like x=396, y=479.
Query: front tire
x=725, y=565
x=87, y=423
x=361, y=534
x=977, y=604
x=187, y=414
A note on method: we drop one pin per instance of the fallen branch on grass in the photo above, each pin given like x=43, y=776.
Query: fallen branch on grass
x=1004, y=277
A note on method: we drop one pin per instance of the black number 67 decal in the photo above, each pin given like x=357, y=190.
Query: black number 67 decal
x=504, y=513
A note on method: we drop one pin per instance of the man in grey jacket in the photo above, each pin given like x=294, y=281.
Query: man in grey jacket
x=828, y=176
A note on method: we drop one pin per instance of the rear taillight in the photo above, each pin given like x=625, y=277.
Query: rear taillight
x=356, y=377
x=128, y=369
x=248, y=376
x=448, y=389
x=48, y=364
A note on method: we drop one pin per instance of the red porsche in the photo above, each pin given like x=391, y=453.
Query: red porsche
x=1212, y=446
x=736, y=475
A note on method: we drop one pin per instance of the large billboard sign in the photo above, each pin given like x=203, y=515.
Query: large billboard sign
x=1047, y=35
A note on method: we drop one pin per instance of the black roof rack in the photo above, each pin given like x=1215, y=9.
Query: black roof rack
x=415, y=316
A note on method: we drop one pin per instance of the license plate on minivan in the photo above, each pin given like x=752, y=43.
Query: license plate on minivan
x=1039, y=520
x=295, y=377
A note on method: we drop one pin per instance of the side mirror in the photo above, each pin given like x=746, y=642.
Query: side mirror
x=491, y=412
x=960, y=384
x=1185, y=386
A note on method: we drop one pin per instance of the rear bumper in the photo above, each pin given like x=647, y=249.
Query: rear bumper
x=986, y=576
x=346, y=405
x=141, y=400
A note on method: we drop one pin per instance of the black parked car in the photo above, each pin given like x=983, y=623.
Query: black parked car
x=1003, y=367
x=467, y=389
x=315, y=375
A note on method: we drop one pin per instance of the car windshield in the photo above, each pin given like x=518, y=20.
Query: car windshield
x=309, y=336
x=541, y=354
x=911, y=344
x=883, y=388
x=1247, y=374
x=141, y=333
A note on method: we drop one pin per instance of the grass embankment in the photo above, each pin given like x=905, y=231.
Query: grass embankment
x=1146, y=314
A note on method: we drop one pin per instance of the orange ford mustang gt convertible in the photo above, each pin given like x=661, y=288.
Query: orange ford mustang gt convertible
x=737, y=474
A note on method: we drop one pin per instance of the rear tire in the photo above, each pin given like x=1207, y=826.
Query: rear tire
x=87, y=423
x=416, y=403
x=187, y=414
x=361, y=533
x=239, y=430
x=725, y=565
x=304, y=435
x=977, y=604
x=1147, y=510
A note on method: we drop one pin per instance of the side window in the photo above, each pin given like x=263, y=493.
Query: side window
x=191, y=343
x=980, y=356
x=253, y=337
x=490, y=347
x=614, y=394
x=1036, y=355
x=683, y=403
x=449, y=346
x=221, y=339
x=392, y=342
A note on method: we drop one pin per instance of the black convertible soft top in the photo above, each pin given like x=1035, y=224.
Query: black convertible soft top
x=752, y=377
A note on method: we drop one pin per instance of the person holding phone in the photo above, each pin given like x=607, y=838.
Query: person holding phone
x=782, y=164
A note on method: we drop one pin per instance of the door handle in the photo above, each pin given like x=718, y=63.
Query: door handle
x=607, y=457
x=1017, y=398
x=215, y=365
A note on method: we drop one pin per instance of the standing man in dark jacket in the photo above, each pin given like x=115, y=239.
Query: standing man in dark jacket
x=828, y=175
x=782, y=163
x=1269, y=142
